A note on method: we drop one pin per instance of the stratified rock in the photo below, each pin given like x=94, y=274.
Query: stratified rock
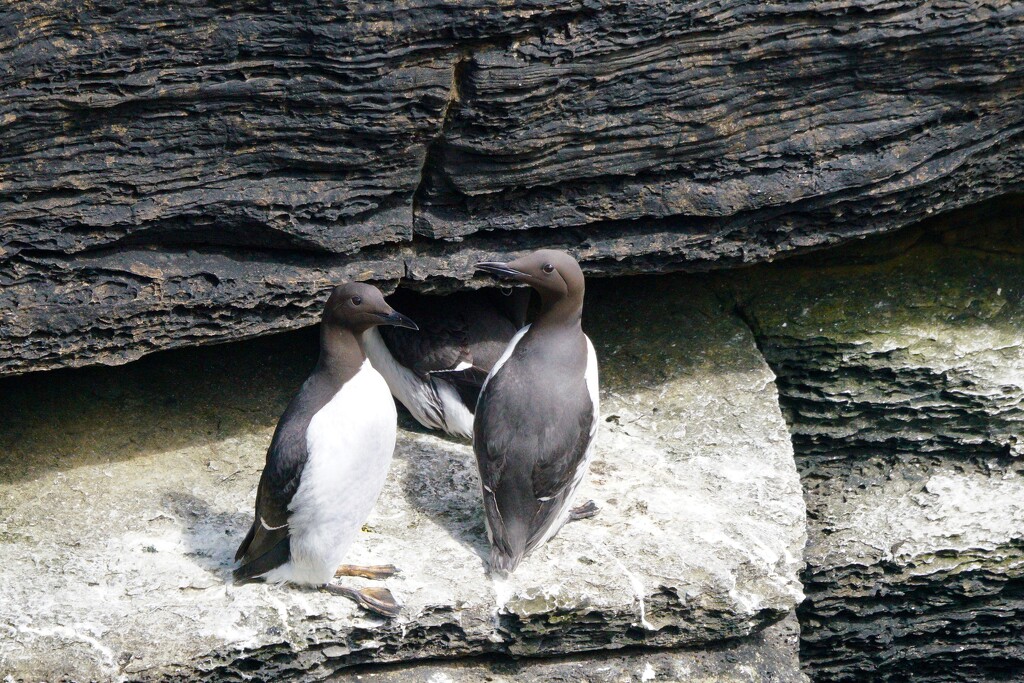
x=119, y=527
x=919, y=354
x=915, y=569
x=762, y=121
x=264, y=153
x=769, y=655
x=903, y=383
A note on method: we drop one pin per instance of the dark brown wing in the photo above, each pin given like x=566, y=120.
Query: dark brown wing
x=554, y=470
x=458, y=341
x=441, y=343
x=528, y=453
x=467, y=382
x=453, y=344
x=266, y=546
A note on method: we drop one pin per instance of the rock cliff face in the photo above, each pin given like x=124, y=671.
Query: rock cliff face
x=179, y=173
x=903, y=383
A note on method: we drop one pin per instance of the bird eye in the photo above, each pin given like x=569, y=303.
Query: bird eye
x=357, y=300
x=548, y=268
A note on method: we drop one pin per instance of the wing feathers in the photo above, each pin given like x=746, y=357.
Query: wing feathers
x=555, y=471
x=531, y=457
x=267, y=544
x=275, y=556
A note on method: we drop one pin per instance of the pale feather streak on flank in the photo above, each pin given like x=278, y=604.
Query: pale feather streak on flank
x=591, y=379
x=497, y=366
x=504, y=357
x=266, y=526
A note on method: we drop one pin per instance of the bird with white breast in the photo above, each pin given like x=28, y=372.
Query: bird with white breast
x=328, y=460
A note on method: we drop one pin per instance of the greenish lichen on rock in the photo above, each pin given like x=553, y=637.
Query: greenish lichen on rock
x=922, y=352
x=903, y=384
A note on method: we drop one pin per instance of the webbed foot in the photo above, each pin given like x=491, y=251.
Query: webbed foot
x=377, y=600
x=373, y=571
x=585, y=511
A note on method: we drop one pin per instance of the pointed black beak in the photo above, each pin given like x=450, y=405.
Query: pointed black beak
x=397, y=319
x=501, y=270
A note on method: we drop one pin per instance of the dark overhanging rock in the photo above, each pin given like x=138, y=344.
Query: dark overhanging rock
x=173, y=175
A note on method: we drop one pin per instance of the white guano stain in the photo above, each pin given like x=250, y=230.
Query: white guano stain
x=638, y=592
x=76, y=632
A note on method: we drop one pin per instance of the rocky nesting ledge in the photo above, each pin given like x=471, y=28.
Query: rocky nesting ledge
x=118, y=528
x=900, y=372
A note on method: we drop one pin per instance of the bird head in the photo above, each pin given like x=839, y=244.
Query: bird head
x=358, y=306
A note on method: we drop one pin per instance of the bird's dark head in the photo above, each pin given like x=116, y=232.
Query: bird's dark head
x=554, y=274
x=358, y=306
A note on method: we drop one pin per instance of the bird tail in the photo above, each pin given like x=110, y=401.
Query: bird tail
x=502, y=563
x=242, y=575
x=253, y=569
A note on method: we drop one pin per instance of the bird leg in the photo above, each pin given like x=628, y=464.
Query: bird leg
x=585, y=511
x=373, y=571
x=377, y=600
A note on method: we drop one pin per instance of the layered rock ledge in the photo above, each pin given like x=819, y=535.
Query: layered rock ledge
x=178, y=173
x=903, y=383
x=118, y=528
x=769, y=655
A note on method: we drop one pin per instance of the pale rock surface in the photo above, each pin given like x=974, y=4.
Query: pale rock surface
x=124, y=493
x=903, y=382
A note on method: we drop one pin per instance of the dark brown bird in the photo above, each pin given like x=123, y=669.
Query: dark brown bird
x=537, y=416
x=437, y=372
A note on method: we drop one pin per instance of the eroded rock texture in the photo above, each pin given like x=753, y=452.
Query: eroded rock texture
x=769, y=655
x=177, y=173
x=903, y=383
x=118, y=529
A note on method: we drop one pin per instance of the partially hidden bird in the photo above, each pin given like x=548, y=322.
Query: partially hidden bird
x=437, y=372
x=537, y=416
x=328, y=459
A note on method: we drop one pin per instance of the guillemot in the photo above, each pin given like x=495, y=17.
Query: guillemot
x=328, y=459
x=537, y=416
x=437, y=372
